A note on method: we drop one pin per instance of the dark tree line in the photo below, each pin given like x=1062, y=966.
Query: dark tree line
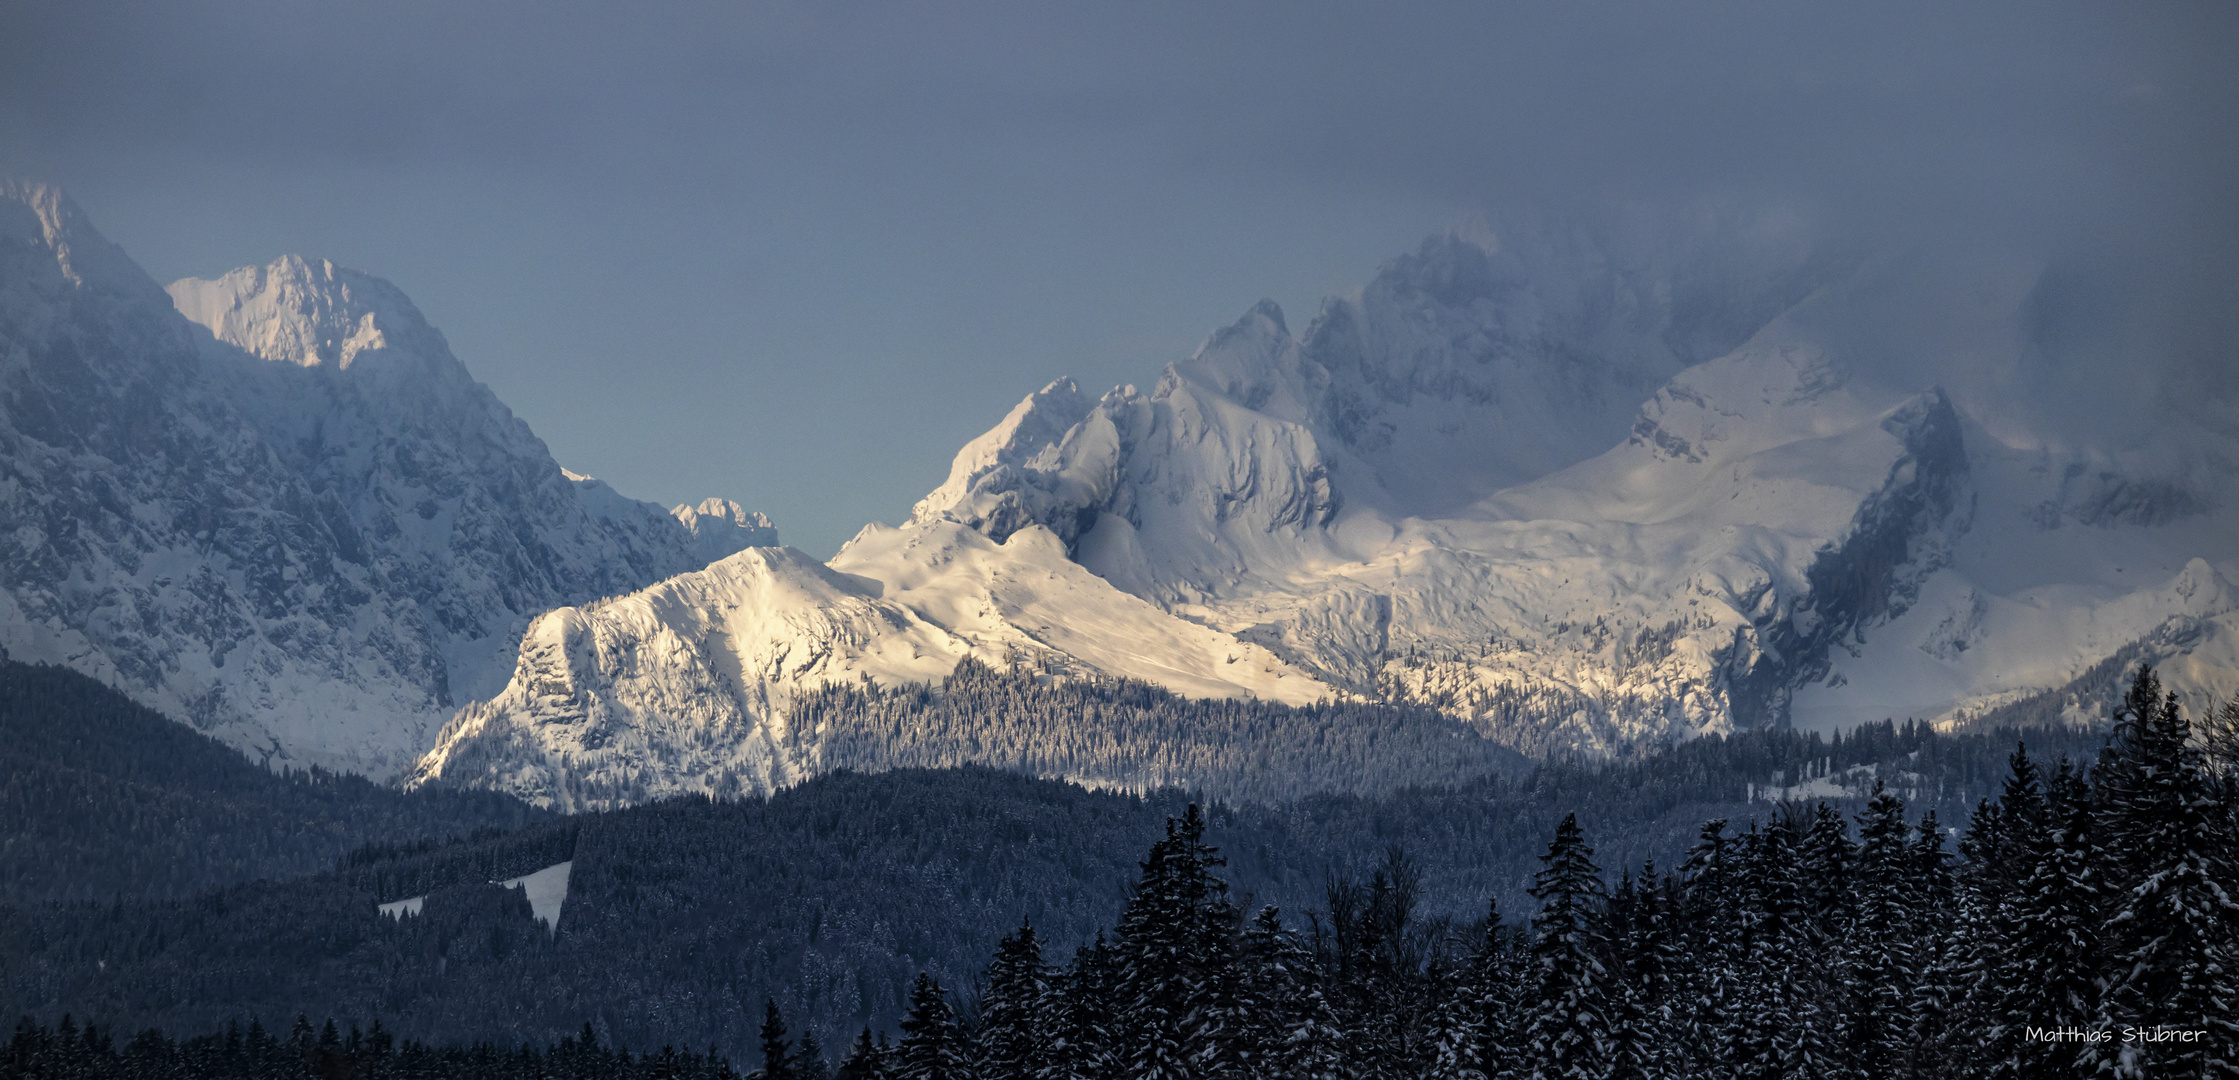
x=69, y=1052
x=683, y=916
x=102, y=797
x=2084, y=927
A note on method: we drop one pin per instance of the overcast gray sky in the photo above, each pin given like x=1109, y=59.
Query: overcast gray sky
x=795, y=254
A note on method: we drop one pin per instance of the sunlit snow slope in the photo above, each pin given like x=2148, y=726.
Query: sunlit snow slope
x=1579, y=488
x=684, y=686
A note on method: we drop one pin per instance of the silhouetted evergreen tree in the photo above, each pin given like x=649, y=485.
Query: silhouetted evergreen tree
x=1176, y=942
x=777, y=1050
x=865, y=1060
x=1085, y=1031
x=1013, y=1036
x=2170, y=920
x=1881, y=963
x=933, y=1047
x=1567, y=1020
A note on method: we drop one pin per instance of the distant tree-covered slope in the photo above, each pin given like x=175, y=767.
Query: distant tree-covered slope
x=830, y=897
x=102, y=797
x=1137, y=736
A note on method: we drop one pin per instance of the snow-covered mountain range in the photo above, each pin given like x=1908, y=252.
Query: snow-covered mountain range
x=275, y=506
x=1580, y=490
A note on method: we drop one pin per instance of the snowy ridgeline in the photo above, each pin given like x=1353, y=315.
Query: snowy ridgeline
x=1581, y=491
x=1577, y=508
x=1103, y=733
x=276, y=506
x=545, y=890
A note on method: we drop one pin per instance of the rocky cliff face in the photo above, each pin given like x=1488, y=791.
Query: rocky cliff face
x=289, y=515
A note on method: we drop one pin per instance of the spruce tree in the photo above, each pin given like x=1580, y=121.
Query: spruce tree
x=1012, y=1040
x=1496, y=988
x=1177, y=941
x=865, y=1060
x=1456, y=1040
x=1783, y=1028
x=1622, y=933
x=1881, y=965
x=1642, y=933
x=2053, y=955
x=2171, y=919
x=1711, y=922
x=777, y=1050
x=1297, y=1033
x=1829, y=860
x=1999, y=845
x=933, y=1046
x=2000, y=850
x=1084, y=1035
x=1566, y=1026
x=1940, y=948
x=808, y=1059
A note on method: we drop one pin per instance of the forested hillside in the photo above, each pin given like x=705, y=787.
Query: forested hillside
x=2080, y=926
x=101, y=797
x=1133, y=735
x=2083, y=926
x=831, y=897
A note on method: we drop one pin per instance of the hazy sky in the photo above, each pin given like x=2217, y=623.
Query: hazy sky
x=796, y=254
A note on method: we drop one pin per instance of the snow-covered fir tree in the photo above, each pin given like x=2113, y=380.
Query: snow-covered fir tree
x=1567, y=1026
x=2170, y=920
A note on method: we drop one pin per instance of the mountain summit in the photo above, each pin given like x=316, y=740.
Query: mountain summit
x=1577, y=489
x=282, y=510
x=1582, y=492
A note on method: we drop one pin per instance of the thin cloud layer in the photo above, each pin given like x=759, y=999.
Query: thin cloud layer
x=2100, y=138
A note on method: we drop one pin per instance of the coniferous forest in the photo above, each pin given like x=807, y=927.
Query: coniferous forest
x=2071, y=917
x=2084, y=925
x=102, y=797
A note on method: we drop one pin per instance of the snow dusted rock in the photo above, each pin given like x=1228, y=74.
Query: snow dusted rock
x=1449, y=489
x=721, y=528
x=683, y=687
x=1581, y=492
x=294, y=521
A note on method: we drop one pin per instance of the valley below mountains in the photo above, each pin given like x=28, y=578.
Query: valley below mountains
x=1573, y=492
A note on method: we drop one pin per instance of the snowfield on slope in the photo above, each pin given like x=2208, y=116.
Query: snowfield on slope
x=1579, y=493
x=274, y=506
x=683, y=686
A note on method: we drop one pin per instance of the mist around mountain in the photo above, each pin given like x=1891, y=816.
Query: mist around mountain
x=1577, y=489
x=1582, y=490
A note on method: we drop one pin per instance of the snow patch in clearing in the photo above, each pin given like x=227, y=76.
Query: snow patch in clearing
x=547, y=890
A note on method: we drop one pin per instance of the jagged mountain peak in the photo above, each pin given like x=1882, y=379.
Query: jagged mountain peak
x=303, y=527
x=46, y=216
x=1253, y=362
x=721, y=509
x=1021, y=442
x=721, y=528
x=312, y=313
